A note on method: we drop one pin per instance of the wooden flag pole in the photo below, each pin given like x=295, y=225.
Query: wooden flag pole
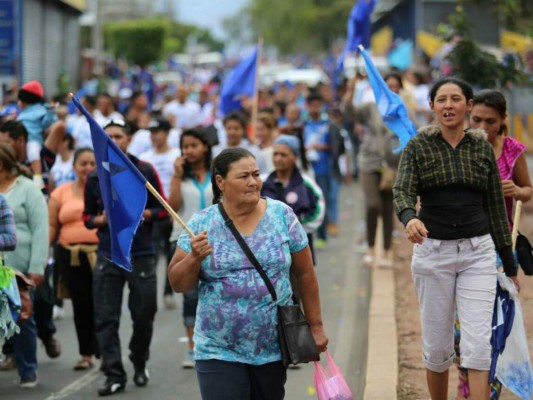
x=167, y=207
x=516, y=222
x=255, y=99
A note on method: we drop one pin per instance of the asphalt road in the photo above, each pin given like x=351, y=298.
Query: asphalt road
x=344, y=290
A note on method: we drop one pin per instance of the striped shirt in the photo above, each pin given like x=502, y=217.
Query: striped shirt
x=8, y=236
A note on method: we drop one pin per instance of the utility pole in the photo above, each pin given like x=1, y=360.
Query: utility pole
x=97, y=38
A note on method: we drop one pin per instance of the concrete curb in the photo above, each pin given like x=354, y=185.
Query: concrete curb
x=382, y=361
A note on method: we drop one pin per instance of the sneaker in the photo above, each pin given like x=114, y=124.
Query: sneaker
x=28, y=383
x=8, y=364
x=141, y=375
x=319, y=244
x=52, y=347
x=111, y=387
x=170, y=302
x=188, y=361
x=58, y=313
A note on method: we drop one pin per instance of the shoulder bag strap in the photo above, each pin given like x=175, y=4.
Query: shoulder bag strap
x=247, y=251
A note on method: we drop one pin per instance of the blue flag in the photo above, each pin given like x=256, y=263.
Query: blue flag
x=122, y=188
x=358, y=30
x=402, y=56
x=239, y=82
x=502, y=323
x=390, y=105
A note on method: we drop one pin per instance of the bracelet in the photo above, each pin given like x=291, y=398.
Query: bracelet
x=177, y=177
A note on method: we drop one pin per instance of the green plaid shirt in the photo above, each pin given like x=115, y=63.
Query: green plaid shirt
x=429, y=162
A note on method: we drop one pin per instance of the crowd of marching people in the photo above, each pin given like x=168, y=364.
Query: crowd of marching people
x=298, y=146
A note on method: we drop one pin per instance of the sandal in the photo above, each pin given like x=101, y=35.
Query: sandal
x=83, y=364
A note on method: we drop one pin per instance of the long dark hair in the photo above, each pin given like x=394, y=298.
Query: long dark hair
x=202, y=137
x=465, y=87
x=9, y=161
x=495, y=100
x=221, y=165
x=79, y=151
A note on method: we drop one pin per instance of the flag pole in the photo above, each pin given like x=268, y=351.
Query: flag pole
x=516, y=222
x=255, y=99
x=167, y=207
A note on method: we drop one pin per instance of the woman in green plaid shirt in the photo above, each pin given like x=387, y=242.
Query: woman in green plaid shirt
x=461, y=221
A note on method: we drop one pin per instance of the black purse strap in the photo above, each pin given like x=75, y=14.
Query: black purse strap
x=247, y=251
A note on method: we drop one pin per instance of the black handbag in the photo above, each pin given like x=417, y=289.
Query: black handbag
x=296, y=340
x=524, y=253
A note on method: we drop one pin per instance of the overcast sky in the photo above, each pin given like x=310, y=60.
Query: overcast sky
x=208, y=13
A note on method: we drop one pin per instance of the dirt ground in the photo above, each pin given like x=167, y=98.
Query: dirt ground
x=412, y=379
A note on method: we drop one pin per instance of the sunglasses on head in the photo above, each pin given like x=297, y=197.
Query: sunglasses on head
x=115, y=122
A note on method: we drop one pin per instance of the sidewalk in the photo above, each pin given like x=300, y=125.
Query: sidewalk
x=382, y=361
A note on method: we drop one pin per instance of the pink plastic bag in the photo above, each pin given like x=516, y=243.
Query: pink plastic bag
x=329, y=382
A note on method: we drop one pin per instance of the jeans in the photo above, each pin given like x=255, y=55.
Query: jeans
x=43, y=306
x=378, y=203
x=223, y=380
x=108, y=285
x=190, y=298
x=25, y=349
x=330, y=186
x=161, y=234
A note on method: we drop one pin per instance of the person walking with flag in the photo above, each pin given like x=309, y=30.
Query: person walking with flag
x=108, y=276
x=460, y=224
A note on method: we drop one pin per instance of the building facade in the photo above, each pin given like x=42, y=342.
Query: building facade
x=40, y=39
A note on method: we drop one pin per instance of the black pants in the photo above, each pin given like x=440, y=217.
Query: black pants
x=223, y=380
x=108, y=286
x=79, y=282
x=161, y=232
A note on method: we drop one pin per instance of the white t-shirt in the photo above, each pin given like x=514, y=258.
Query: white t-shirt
x=187, y=115
x=163, y=164
x=81, y=132
x=102, y=119
x=141, y=141
x=268, y=155
x=63, y=171
x=245, y=144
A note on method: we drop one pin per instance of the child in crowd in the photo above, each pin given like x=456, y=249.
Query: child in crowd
x=36, y=118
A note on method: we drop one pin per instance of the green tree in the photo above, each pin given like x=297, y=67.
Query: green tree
x=476, y=66
x=146, y=41
x=293, y=26
x=516, y=15
x=138, y=41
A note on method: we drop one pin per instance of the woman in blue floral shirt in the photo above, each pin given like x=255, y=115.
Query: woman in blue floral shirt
x=236, y=338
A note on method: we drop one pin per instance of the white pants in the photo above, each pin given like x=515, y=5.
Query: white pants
x=462, y=272
x=33, y=151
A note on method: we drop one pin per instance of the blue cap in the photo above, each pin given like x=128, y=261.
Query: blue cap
x=291, y=141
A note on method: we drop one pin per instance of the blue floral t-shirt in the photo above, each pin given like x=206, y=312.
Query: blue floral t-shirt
x=236, y=318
